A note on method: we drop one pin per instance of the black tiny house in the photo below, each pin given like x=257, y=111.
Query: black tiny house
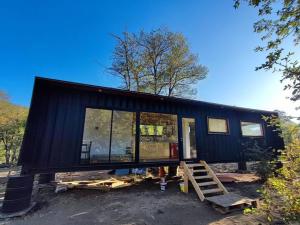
x=73, y=127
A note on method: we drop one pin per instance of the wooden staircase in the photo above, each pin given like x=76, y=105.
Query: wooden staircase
x=203, y=179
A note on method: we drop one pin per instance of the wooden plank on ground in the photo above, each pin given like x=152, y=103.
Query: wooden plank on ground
x=230, y=199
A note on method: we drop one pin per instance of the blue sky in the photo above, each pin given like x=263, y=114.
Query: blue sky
x=70, y=40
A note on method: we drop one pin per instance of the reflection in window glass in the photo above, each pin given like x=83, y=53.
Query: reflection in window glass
x=108, y=136
x=251, y=129
x=217, y=125
x=96, y=136
x=158, y=137
x=151, y=130
x=123, y=136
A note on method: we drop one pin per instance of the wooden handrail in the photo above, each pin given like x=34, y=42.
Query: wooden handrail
x=189, y=176
x=215, y=178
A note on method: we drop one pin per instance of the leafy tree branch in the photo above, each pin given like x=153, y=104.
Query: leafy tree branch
x=279, y=23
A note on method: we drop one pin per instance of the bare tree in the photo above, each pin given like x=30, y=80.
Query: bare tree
x=158, y=62
x=182, y=68
x=155, y=47
x=121, y=58
x=126, y=62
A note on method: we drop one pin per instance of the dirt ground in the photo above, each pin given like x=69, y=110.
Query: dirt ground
x=139, y=204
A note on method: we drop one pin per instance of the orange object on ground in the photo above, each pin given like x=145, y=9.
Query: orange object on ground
x=161, y=172
x=173, y=150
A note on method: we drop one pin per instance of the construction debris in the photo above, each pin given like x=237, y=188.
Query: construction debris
x=103, y=185
x=206, y=184
x=60, y=188
x=237, y=177
x=231, y=202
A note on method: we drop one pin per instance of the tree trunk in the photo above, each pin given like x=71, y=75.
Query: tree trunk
x=14, y=156
x=137, y=82
x=7, y=156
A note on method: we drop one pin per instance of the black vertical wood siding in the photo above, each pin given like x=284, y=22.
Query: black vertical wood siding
x=53, y=135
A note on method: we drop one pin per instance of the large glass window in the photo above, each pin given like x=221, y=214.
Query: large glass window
x=123, y=136
x=216, y=125
x=158, y=137
x=108, y=136
x=251, y=129
x=96, y=136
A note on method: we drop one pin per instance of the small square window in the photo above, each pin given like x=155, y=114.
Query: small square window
x=216, y=125
x=251, y=129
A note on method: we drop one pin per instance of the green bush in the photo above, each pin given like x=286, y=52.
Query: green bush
x=281, y=191
x=263, y=156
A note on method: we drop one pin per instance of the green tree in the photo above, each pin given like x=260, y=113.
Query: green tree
x=281, y=191
x=157, y=62
x=12, y=125
x=279, y=23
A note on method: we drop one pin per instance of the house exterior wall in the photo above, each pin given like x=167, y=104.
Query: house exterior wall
x=54, y=132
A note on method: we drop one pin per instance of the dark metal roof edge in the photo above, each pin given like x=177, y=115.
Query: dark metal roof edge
x=144, y=95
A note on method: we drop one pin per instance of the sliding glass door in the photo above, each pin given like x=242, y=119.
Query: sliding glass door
x=109, y=136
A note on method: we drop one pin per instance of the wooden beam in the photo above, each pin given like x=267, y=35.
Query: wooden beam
x=185, y=179
x=189, y=174
x=215, y=190
x=215, y=178
x=197, y=171
x=207, y=183
x=203, y=177
x=186, y=182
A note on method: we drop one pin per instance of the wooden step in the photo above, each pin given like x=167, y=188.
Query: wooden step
x=194, y=165
x=203, y=177
x=209, y=191
x=207, y=183
x=197, y=171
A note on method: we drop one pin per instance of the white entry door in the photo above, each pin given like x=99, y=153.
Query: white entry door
x=189, y=138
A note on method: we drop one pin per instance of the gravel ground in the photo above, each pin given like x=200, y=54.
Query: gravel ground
x=140, y=204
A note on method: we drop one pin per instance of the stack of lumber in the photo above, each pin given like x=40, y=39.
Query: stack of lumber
x=103, y=185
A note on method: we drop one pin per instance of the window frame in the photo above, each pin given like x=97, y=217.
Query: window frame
x=139, y=136
x=253, y=122
x=112, y=111
x=218, y=118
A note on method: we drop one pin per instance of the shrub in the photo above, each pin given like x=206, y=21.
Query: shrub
x=263, y=156
x=281, y=191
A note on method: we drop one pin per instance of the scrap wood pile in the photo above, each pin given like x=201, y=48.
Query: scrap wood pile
x=237, y=177
x=103, y=185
